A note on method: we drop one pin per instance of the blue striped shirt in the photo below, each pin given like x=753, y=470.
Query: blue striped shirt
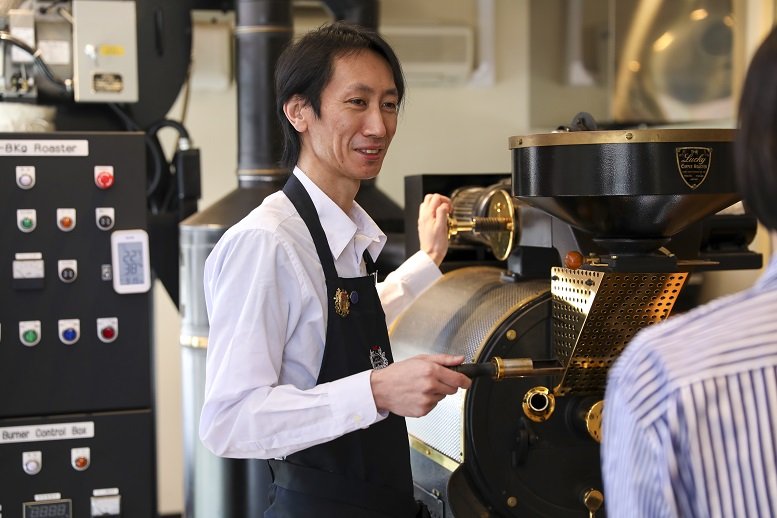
x=690, y=413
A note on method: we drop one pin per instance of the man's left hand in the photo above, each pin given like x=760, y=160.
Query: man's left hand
x=433, y=226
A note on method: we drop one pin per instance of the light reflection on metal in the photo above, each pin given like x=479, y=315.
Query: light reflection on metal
x=685, y=56
x=663, y=42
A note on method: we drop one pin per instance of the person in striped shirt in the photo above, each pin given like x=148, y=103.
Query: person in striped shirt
x=690, y=421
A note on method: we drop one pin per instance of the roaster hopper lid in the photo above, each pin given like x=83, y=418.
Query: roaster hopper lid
x=630, y=189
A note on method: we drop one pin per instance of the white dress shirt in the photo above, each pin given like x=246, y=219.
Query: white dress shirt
x=690, y=413
x=265, y=294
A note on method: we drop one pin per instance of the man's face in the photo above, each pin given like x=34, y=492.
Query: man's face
x=357, y=121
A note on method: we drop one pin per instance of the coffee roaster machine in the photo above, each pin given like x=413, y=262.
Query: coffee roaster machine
x=592, y=238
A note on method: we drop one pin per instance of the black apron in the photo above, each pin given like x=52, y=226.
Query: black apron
x=365, y=473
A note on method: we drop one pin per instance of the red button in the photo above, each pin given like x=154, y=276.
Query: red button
x=108, y=333
x=66, y=222
x=104, y=180
x=81, y=463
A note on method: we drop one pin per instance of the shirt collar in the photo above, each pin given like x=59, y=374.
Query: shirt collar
x=341, y=228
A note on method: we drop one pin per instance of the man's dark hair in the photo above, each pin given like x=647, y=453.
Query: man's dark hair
x=306, y=66
x=756, y=144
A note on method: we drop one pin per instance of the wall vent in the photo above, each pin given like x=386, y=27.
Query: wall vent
x=430, y=54
x=433, y=55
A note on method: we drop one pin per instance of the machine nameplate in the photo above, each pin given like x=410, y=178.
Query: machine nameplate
x=48, y=147
x=693, y=163
x=47, y=432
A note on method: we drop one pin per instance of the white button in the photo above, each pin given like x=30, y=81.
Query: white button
x=32, y=462
x=25, y=176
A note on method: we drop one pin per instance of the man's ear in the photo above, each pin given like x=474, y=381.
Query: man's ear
x=294, y=109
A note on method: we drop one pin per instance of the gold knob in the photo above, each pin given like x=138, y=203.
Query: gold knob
x=593, y=420
x=593, y=500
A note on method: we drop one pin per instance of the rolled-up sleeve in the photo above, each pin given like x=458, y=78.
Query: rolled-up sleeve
x=407, y=282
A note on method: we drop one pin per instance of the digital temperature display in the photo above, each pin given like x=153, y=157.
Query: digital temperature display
x=131, y=270
x=49, y=509
x=130, y=261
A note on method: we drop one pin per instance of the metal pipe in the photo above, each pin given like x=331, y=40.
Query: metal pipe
x=362, y=12
x=263, y=28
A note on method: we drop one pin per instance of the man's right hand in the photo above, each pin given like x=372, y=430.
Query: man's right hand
x=413, y=387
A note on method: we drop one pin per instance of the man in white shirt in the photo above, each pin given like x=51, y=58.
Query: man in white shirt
x=299, y=365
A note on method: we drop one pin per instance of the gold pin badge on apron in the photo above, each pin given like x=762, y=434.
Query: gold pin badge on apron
x=342, y=302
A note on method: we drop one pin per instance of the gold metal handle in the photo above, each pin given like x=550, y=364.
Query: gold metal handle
x=593, y=500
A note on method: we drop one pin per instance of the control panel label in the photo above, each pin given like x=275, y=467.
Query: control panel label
x=44, y=147
x=47, y=432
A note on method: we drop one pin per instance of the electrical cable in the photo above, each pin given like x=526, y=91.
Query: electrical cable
x=64, y=86
x=158, y=158
x=182, y=132
x=183, y=144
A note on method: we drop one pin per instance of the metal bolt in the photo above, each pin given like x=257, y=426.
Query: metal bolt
x=511, y=334
x=512, y=501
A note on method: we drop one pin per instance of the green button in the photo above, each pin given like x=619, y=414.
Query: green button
x=30, y=336
x=27, y=223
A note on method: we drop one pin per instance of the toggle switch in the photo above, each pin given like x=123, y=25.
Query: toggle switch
x=67, y=270
x=104, y=217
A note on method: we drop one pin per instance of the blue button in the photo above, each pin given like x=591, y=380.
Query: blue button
x=354, y=297
x=69, y=334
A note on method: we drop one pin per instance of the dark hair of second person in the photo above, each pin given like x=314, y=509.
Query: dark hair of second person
x=756, y=147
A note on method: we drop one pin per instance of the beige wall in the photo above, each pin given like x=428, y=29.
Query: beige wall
x=452, y=129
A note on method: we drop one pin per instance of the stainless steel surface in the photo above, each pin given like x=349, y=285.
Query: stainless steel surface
x=457, y=315
x=203, y=471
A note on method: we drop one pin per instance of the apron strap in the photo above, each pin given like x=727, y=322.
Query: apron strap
x=300, y=198
x=348, y=491
x=371, y=267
